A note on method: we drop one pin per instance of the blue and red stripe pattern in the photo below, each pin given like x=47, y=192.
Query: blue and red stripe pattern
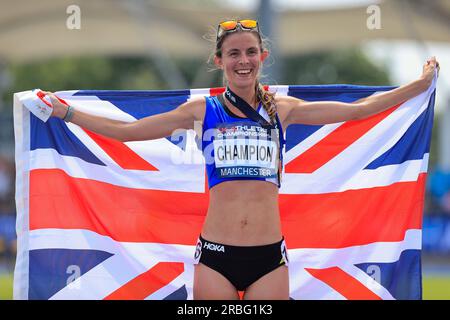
x=101, y=219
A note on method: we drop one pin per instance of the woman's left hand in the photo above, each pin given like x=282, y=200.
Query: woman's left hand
x=428, y=70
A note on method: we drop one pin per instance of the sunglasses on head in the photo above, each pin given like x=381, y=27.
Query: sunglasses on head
x=232, y=25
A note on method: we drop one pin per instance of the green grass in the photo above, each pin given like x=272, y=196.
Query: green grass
x=6, y=287
x=434, y=287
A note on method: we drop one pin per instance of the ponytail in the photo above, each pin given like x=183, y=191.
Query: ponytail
x=267, y=100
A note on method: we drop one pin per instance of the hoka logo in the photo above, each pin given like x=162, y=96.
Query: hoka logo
x=214, y=247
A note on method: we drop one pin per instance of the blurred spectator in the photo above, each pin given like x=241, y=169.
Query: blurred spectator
x=439, y=182
x=8, y=235
x=438, y=192
x=7, y=212
x=436, y=222
x=445, y=202
x=6, y=183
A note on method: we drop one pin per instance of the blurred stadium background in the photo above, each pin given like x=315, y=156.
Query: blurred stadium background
x=163, y=44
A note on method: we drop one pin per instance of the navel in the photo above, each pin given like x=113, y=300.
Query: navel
x=244, y=223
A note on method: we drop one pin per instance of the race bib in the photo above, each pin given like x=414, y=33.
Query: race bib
x=245, y=150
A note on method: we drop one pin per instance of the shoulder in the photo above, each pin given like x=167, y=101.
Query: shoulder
x=284, y=106
x=287, y=101
x=195, y=107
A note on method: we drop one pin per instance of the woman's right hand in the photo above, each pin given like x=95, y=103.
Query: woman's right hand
x=59, y=108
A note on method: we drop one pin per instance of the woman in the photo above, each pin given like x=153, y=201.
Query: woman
x=241, y=247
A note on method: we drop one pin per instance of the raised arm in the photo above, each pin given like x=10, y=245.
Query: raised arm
x=152, y=127
x=324, y=112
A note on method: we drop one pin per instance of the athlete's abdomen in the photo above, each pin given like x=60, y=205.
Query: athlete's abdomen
x=243, y=213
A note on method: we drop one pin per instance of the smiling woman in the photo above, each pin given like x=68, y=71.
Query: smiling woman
x=241, y=246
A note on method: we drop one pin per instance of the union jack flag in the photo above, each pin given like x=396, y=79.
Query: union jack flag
x=102, y=219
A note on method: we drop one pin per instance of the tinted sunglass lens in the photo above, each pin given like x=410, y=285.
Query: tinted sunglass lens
x=249, y=24
x=228, y=25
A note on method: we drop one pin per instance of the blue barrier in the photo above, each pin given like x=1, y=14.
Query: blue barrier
x=436, y=234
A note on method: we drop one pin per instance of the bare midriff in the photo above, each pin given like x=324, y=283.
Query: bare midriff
x=243, y=213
